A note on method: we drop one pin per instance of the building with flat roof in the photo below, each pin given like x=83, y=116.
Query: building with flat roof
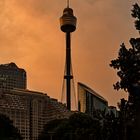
x=29, y=110
x=89, y=100
x=11, y=76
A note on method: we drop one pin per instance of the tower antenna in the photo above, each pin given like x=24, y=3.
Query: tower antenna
x=68, y=3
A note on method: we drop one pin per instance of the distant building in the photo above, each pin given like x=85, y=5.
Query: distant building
x=12, y=77
x=29, y=110
x=89, y=100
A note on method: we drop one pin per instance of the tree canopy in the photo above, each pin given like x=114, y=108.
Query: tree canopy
x=128, y=62
x=7, y=130
x=79, y=127
x=128, y=69
x=136, y=15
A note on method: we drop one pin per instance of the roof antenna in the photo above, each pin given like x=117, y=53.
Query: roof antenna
x=68, y=3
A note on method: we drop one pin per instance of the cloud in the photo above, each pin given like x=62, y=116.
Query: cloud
x=92, y=1
x=30, y=36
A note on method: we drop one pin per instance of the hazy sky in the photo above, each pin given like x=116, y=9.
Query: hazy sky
x=30, y=36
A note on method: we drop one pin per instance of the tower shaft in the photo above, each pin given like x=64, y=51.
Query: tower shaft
x=68, y=75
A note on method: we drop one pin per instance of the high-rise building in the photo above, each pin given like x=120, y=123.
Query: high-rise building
x=89, y=100
x=29, y=110
x=12, y=77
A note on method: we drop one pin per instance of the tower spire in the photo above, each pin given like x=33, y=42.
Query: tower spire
x=68, y=3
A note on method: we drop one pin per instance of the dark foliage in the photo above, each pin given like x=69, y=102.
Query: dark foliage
x=136, y=14
x=80, y=126
x=7, y=130
x=128, y=69
x=128, y=62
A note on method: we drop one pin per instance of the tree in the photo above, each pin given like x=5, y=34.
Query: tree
x=50, y=129
x=79, y=126
x=136, y=14
x=128, y=69
x=128, y=62
x=110, y=129
x=7, y=130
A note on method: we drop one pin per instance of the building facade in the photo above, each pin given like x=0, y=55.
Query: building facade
x=29, y=110
x=89, y=100
x=12, y=77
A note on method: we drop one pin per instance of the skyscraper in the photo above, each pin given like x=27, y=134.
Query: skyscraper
x=29, y=110
x=12, y=77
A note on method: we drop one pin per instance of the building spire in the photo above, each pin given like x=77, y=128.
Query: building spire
x=68, y=3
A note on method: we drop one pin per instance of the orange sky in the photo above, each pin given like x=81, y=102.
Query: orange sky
x=30, y=36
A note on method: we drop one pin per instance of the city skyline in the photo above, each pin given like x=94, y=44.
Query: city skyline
x=30, y=36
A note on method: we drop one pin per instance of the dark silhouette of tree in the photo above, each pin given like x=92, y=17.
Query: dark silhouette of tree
x=7, y=130
x=136, y=14
x=79, y=126
x=49, y=130
x=128, y=69
x=110, y=129
x=128, y=62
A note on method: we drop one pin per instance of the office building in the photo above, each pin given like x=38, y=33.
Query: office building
x=12, y=77
x=89, y=100
x=29, y=110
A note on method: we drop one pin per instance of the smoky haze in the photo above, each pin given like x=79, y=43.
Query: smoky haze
x=30, y=36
